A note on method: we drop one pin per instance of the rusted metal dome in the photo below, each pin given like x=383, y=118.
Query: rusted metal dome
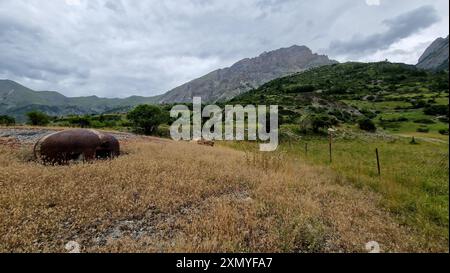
x=78, y=144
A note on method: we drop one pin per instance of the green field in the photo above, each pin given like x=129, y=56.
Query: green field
x=395, y=116
x=413, y=184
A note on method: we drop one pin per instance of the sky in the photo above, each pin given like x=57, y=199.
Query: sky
x=119, y=48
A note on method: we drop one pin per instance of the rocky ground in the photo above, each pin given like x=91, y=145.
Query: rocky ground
x=31, y=135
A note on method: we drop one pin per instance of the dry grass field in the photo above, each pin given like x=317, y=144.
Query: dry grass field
x=163, y=196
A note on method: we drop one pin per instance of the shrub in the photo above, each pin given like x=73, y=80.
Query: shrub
x=368, y=113
x=367, y=124
x=436, y=110
x=82, y=122
x=163, y=131
x=146, y=118
x=370, y=98
x=300, y=89
x=108, y=118
x=441, y=83
x=37, y=118
x=317, y=122
x=339, y=89
x=424, y=121
x=98, y=124
x=416, y=104
x=423, y=130
x=7, y=120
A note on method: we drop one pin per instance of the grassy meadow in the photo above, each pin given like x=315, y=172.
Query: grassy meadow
x=413, y=184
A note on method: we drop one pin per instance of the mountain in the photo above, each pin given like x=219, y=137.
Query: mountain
x=435, y=56
x=247, y=74
x=220, y=85
x=16, y=100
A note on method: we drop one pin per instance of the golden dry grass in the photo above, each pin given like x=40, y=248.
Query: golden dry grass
x=176, y=197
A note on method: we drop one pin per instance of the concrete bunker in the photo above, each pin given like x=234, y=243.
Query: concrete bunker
x=72, y=145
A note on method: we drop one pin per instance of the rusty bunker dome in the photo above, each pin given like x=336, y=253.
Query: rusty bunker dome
x=77, y=144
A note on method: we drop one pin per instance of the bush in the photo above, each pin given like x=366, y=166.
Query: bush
x=370, y=98
x=441, y=83
x=424, y=121
x=163, y=131
x=339, y=89
x=443, y=132
x=436, y=110
x=37, y=118
x=300, y=89
x=343, y=115
x=7, y=120
x=82, y=122
x=402, y=119
x=367, y=124
x=368, y=113
x=108, y=118
x=423, y=130
x=146, y=118
x=416, y=104
x=317, y=122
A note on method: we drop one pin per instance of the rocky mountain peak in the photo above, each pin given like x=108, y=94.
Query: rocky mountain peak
x=435, y=56
x=246, y=74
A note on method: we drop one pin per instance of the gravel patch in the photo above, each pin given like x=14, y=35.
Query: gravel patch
x=29, y=136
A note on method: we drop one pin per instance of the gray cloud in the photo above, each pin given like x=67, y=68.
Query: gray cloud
x=23, y=54
x=398, y=28
x=118, y=48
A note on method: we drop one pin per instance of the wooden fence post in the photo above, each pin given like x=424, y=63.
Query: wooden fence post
x=378, y=162
x=330, y=141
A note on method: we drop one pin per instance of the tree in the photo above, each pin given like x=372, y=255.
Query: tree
x=416, y=104
x=7, y=120
x=37, y=118
x=367, y=124
x=317, y=122
x=323, y=122
x=435, y=110
x=440, y=83
x=301, y=89
x=146, y=118
x=83, y=122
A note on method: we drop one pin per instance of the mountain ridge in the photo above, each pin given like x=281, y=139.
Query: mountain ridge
x=219, y=85
x=16, y=100
x=246, y=74
x=435, y=56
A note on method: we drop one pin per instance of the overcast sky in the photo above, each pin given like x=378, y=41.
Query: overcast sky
x=118, y=48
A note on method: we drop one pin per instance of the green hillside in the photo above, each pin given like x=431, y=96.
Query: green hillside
x=396, y=97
